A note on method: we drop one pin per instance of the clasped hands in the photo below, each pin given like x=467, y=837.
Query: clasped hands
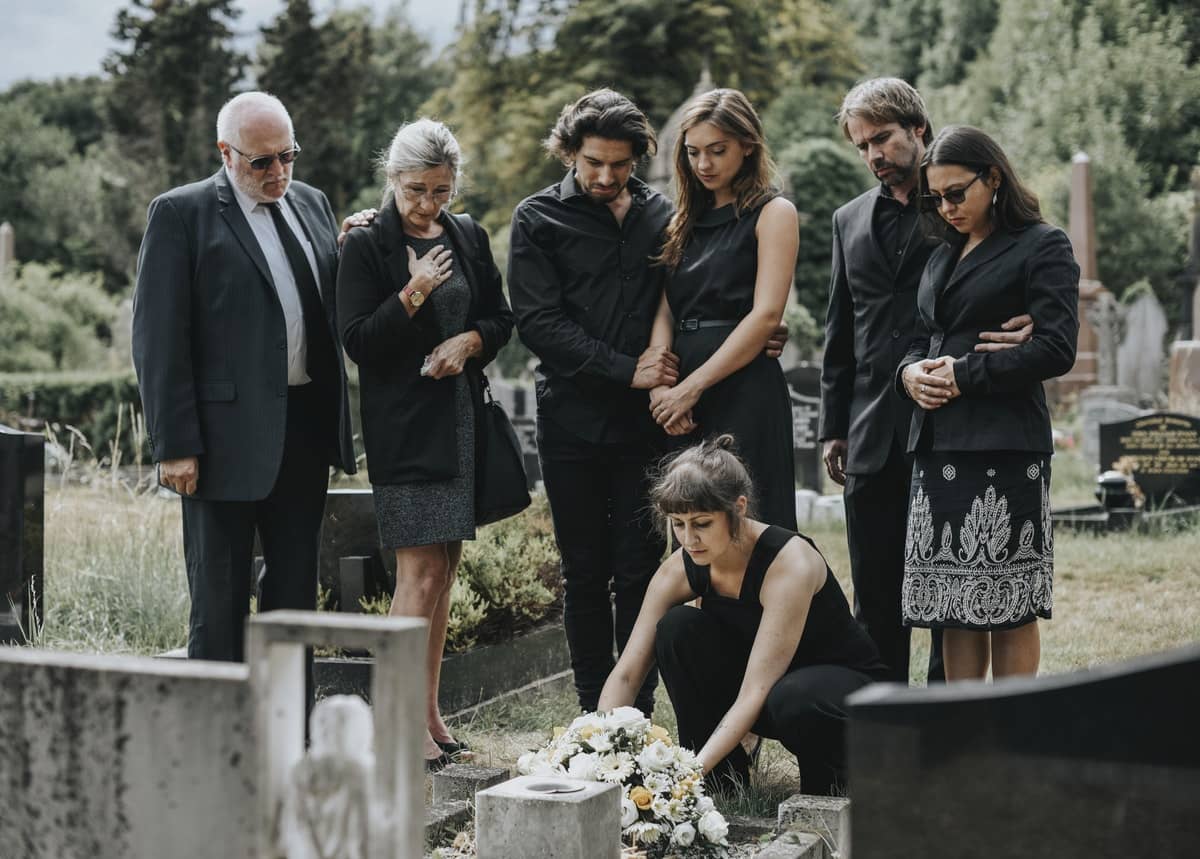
x=930, y=383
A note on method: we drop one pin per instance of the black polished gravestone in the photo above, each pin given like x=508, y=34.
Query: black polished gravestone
x=1099, y=763
x=22, y=523
x=1163, y=452
x=804, y=383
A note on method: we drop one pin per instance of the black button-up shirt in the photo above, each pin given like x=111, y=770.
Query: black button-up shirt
x=585, y=294
x=895, y=225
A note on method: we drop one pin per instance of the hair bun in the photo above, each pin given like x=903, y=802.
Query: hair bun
x=725, y=441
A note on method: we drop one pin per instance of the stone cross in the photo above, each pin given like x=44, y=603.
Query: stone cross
x=1107, y=320
x=8, y=253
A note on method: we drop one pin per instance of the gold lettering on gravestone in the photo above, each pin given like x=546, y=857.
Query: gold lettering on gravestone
x=1163, y=446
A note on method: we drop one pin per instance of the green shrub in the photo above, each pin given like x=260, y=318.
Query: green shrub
x=93, y=403
x=50, y=320
x=508, y=581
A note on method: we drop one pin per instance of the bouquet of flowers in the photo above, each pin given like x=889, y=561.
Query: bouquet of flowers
x=664, y=811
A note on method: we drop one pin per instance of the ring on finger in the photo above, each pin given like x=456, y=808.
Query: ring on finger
x=922, y=389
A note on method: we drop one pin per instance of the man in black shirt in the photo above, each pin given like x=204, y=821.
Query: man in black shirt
x=881, y=242
x=585, y=290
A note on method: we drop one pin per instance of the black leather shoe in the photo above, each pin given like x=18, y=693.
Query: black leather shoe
x=454, y=749
x=439, y=763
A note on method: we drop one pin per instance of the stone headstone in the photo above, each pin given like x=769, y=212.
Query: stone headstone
x=1107, y=319
x=1140, y=355
x=1163, y=452
x=526, y=430
x=22, y=523
x=1183, y=393
x=1098, y=405
x=804, y=382
x=825, y=816
x=1094, y=763
x=8, y=253
x=536, y=817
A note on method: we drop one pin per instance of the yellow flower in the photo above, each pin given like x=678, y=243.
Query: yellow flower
x=658, y=732
x=559, y=731
x=678, y=791
x=641, y=797
x=586, y=731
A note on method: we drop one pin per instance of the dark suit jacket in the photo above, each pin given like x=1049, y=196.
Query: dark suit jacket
x=408, y=420
x=209, y=342
x=870, y=321
x=1003, y=406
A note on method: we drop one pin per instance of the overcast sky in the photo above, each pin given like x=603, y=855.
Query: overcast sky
x=44, y=39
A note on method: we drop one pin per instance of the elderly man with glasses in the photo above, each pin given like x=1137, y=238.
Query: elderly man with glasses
x=242, y=381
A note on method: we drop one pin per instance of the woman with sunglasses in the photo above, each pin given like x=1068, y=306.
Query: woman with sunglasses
x=979, y=557
x=422, y=312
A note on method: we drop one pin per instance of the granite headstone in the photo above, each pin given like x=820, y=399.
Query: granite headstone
x=1162, y=451
x=22, y=523
x=1101, y=762
x=804, y=383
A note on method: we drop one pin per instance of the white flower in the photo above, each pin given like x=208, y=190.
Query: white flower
x=644, y=832
x=656, y=757
x=656, y=782
x=629, y=718
x=563, y=752
x=615, y=768
x=588, y=720
x=704, y=805
x=676, y=810
x=683, y=835
x=583, y=767
x=713, y=827
x=601, y=742
x=629, y=812
x=525, y=763
x=658, y=806
x=686, y=759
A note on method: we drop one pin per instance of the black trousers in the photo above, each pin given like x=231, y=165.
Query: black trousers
x=609, y=547
x=876, y=525
x=703, y=662
x=218, y=539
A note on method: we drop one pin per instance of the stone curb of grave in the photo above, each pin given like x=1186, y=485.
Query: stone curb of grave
x=794, y=845
x=826, y=817
x=444, y=820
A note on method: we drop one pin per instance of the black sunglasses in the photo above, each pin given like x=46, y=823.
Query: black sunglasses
x=955, y=195
x=262, y=162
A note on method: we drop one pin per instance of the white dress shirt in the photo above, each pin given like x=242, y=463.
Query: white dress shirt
x=261, y=222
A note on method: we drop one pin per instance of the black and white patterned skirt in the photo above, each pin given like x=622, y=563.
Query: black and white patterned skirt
x=980, y=547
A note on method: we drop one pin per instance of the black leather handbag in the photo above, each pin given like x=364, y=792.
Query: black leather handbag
x=501, y=486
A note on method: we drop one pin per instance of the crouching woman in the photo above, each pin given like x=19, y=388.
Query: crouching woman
x=773, y=648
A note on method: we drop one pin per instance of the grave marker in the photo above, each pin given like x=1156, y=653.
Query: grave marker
x=1163, y=452
x=22, y=523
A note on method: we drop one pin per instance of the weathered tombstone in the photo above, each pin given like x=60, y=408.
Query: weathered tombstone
x=1184, y=391
x=536, y=817
x=1140, y=355
x=122, y=757
x=1075, y=766
x=1163, y=452
x=8, y=252
x=1101, y=404
x=22, y=522
x=1107, y=318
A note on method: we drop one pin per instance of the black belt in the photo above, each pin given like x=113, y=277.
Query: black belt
x=697, y=324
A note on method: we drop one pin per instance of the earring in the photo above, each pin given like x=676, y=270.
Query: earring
x=994, y=194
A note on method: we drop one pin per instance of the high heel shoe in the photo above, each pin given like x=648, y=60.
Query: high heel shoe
x=454, y=749
x=438, y=764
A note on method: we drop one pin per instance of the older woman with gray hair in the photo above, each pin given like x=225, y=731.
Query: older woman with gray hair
x=421, y=312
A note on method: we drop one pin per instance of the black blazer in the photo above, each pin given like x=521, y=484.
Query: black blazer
x=869, y=323
x=408, y=420
x=1003, y=406
x=209, y=342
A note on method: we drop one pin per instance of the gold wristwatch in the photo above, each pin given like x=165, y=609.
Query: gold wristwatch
x=415, y=297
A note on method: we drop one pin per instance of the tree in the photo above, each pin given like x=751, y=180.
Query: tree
x=347, y=85
x=821, y=175
x=52, y=321
x=175, y=70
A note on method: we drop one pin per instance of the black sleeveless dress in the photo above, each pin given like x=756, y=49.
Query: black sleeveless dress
x=831, y=635
x=709, y=293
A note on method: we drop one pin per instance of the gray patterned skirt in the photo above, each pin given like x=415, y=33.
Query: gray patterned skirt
x=980, y=547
